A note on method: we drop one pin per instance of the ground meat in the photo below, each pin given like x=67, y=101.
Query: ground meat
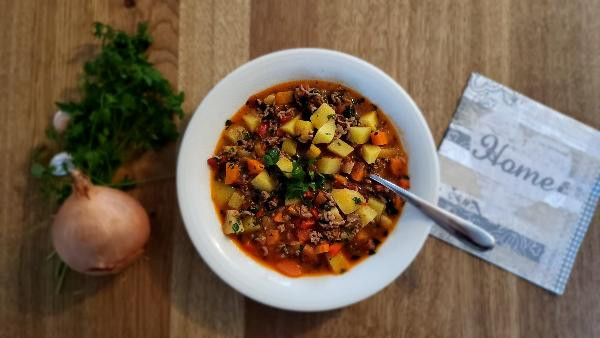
x=308, y=99
x=264, y=196
x=333, y=234
x=340, y=96
x=272, y=141
x=330, y=219
x=265, y=251
x=305, y=212
x=281, y=227
x=379, y=164
x=352, y=221
x=288, y=114
x=315, y=237
x=347, y=165
x=343, y=124
x=272, y=203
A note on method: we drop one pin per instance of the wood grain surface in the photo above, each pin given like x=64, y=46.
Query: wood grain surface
x=548, y=50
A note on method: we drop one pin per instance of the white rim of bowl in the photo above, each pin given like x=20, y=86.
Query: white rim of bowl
x=220, y=270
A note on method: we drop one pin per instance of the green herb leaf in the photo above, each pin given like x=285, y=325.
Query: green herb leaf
x=357, y=200
x=235, y=227
x=271, y=157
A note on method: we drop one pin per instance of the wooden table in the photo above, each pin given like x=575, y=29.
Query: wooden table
x=548, y=50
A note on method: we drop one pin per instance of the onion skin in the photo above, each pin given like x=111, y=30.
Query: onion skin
x=99, y=230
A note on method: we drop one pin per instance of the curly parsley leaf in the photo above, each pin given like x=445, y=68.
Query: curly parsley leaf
x=271, y=157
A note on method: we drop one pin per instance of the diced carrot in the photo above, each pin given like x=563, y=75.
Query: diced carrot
x=289, y=267
x=322, y=248
x=232, y=173
x=284, y=97
x=303, y=235
x=379, y=138
x=273, y=237
x=358, y=171
x=254, y=166
x=321, y=198
x=335, y=248
x=397, y=166
x=340, y=180
x=404, y=183
x=307, y=224
x=278, y=217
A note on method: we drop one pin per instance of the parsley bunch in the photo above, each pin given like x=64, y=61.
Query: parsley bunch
x=126, y=107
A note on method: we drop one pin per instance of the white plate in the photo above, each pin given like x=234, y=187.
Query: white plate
x=221, y=254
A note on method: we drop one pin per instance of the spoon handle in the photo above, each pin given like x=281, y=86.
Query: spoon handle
x=459, y=227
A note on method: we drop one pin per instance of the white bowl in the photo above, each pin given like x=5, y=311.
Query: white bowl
x=242, y=272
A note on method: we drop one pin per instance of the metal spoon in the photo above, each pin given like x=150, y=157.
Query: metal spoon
x=459, y=227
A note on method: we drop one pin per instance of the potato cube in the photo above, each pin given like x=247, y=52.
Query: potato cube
x=270, y=99
x=235, y=133
x=236, y=200
x=339, y=263
x=385, y=221
x=221, y=193
x=322, y=115
x=285, y=165
x=232, y=224
x=359, y=135
x=366, y=214
x=313, y=152
x=369, y=152
x=376, y=204
x=289, y=146
x=389, y=152
x=369, y=120
x=289, y=127
x=329, y=165
x=284, y=97
x=251, y=120
x=348, y=200
x=340, y=148
x=303, y=129
x=264, y=182
x=325, y=133
x=250, y=224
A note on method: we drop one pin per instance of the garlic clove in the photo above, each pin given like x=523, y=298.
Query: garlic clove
x=62, y=164
x=60, y=121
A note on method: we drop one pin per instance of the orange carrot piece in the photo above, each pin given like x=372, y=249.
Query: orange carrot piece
x=321, y=198
x=358, y=172
x=397, y=166
x=232, y=173
x=341, y=180
x=322, y=248
x=289, y=267
x=335, y=248
x=284, y=97
x=379, y=138
x=308, y=254
x=278, y=217
x=404, y=183
x=273, y=237
x=254, y=166
x=303, y=235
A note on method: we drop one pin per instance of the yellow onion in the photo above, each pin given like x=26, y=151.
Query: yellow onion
x=99, y=230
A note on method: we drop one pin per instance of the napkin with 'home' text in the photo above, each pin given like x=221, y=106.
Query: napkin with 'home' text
x=524, y=172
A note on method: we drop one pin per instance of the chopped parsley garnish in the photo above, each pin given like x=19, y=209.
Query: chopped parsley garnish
x=271, y=157
x=330, y=116
x=357, y=200
x=235, y=227
x=299, y=182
